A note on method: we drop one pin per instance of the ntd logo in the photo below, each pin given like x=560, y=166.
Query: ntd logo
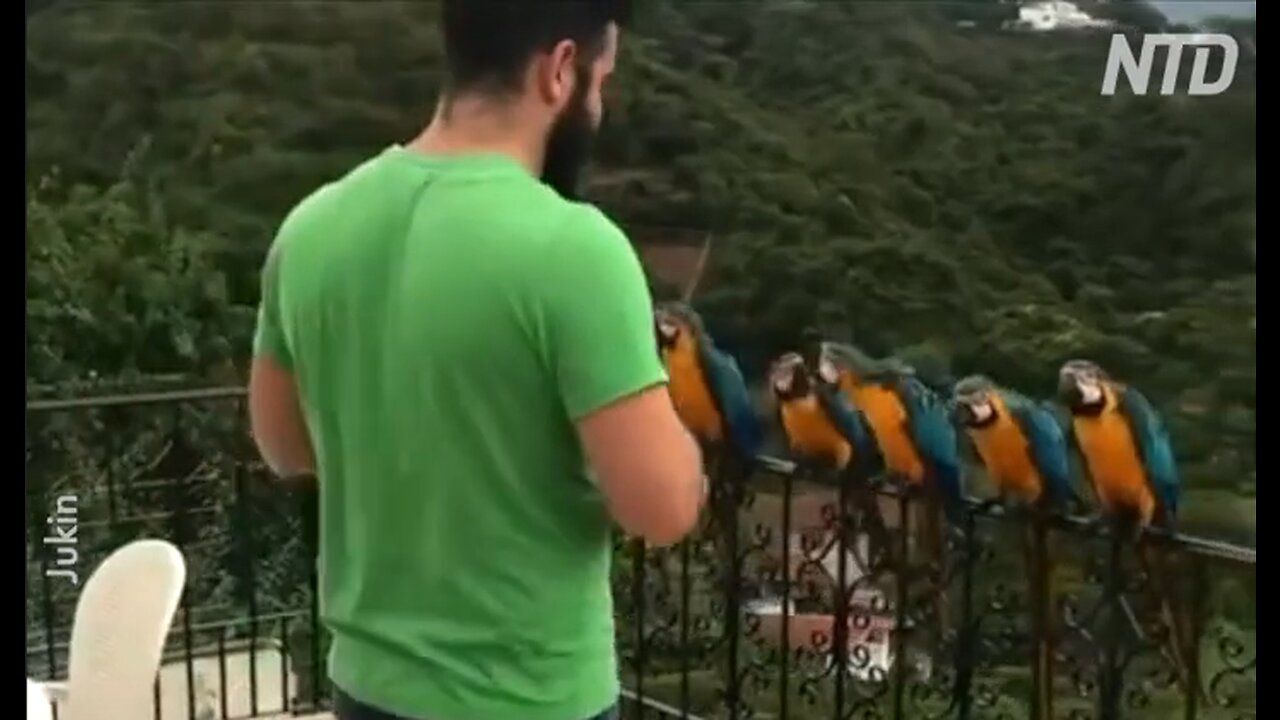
x=1138, y=70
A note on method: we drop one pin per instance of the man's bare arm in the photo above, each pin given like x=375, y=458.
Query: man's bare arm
x=275, y=416
x=650, y=468
x=601, y=347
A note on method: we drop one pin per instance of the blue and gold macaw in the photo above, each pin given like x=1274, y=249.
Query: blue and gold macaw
x=711, y=397
x=1125, y=446
x=706, y=386
x=824, y=430
x=919, y=445
x=1020, y=442
x=910, y=422
x=1128, y=455
x=1025, y=453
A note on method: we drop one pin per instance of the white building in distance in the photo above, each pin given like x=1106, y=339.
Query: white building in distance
x=1048, y=15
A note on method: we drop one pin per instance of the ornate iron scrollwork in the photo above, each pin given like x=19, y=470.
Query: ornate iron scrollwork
x=774, y=608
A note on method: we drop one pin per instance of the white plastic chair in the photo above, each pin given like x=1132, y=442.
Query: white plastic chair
x=117, y=637
x=39, y=704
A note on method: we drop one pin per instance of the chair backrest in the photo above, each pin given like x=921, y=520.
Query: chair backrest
x=38, y=705
x=118, y=635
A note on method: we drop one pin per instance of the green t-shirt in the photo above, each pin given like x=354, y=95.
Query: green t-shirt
x=447, y=319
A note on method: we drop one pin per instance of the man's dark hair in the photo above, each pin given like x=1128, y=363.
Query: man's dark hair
x=488, y=43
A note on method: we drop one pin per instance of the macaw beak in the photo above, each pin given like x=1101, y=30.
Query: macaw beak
x=811, y=349
x=811, y=353
x=1069, y=390
x=800, y=380
x=665, y=340
x=960, y=413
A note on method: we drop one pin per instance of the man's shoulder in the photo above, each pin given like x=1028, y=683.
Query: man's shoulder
x=590, y=221
x=308, y=214
x=319, y=212
x=582, y=229
x=327, y=199
x=553, y=231
x=577, y=245
x=543, y=206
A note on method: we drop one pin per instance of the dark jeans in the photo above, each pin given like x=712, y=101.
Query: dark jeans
x=346, y=707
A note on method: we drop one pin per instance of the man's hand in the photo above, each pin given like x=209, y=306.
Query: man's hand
x=650, y=469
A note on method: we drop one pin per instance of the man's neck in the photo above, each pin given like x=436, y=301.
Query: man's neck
x=466, y=126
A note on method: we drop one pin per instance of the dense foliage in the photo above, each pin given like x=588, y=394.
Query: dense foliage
x=907, y=175
x=959, y=194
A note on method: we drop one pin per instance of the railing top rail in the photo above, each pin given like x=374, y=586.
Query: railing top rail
x=1201, y=546
x=160, y=397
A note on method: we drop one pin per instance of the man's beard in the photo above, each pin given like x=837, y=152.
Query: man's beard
x=569, y=142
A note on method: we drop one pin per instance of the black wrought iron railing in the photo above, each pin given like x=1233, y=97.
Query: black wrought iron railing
x=776, y=608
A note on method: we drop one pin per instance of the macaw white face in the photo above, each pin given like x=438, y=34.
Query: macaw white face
x=981, y=410
x=979, y=404
x=668, y=329
x=828, y=371
x=1090, y=392
x=783, y=375
x=1087, y=379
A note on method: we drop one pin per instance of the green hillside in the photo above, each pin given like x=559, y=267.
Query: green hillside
x=961, y=195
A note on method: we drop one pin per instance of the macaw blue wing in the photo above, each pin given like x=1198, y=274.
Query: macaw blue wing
x=935, y=438
x=852, y=426
x=729, y=389
x=1048, y=447
x=1155, y=446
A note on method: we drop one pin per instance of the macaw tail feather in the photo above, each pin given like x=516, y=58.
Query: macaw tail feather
x=864, y=502
x=949, y=489
x=1076, y=504
x=725, y=473
x=929, y=528
x=1160, y=567
x=728, y=474
x=938, y=515
x=1039, y=570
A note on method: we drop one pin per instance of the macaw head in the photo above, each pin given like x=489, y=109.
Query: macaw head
x=1083, y=387
x=820, y=364
x=789, y=379
x=676, y=324
x=898, y=366
x=852, y=364
x=973, y=403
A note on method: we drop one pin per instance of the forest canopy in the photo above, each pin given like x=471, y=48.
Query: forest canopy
x=908, y=175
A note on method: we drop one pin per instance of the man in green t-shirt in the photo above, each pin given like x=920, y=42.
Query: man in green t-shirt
x=465, y=357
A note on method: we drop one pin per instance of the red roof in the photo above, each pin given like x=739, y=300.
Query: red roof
x=676, y=256
x=813, y=631
x=673, y=264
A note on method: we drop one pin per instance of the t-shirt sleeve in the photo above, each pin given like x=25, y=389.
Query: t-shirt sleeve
x=598, y=315
x=269, y=338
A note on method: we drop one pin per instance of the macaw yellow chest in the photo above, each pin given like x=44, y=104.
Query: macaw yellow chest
x=811, y=434
x=691, y=394
x=888, y=420
x=1006, y=453
x=1114, y=463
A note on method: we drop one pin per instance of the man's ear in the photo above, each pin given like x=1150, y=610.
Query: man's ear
x=555, y=74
